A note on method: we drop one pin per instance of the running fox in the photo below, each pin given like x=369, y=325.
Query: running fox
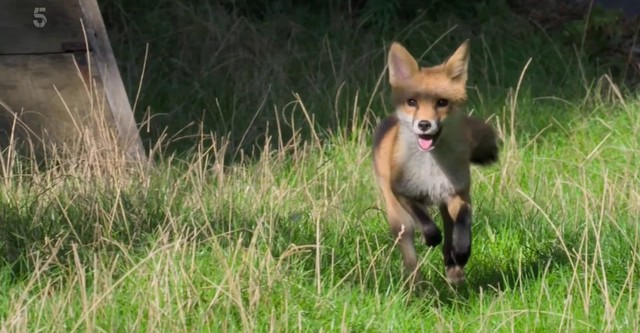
x=422, y=155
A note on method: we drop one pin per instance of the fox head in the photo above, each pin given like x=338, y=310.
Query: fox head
x=424, y=97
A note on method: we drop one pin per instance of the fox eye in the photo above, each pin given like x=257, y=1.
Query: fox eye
x=442, y=103
x=412, y=102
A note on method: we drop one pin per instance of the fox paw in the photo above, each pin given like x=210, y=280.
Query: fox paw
x=432, y=236
x=455, y=275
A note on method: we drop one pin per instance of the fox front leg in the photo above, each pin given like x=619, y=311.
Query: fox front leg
x=430, y=231
x=456, y=250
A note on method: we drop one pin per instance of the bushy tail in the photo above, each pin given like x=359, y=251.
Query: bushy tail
x=484, y=142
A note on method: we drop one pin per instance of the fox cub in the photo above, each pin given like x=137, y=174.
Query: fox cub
x=422, y=155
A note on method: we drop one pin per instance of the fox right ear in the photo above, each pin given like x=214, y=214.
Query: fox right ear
x=402, y=65
x=456, y=66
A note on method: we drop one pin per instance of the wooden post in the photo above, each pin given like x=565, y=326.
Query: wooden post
x=58, y=84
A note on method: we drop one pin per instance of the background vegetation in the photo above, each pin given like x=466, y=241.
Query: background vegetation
x=261, y=213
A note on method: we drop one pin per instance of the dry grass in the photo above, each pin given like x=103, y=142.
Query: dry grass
x=294, y=241
x=292, y=237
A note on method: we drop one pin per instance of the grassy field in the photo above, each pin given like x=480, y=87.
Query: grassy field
x=261, y=213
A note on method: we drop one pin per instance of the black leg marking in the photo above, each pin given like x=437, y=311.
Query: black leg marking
x=432, y=235
x=456, y=249
x=461, y=236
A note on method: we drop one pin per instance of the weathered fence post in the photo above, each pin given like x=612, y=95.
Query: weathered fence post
x=59, y=80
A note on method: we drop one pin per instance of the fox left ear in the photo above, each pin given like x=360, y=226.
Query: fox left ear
x=402, y=66
x=456, y=66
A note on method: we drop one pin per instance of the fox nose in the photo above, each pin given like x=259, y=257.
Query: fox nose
x=424, y=125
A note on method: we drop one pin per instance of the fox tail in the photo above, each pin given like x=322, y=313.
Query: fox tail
x=484, y=142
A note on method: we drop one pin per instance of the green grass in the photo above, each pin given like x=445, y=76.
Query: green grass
x=292, y=237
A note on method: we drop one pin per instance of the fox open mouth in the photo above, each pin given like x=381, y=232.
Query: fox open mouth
x=427, y=142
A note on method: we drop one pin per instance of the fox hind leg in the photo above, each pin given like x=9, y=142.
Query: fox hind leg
x=401, y=225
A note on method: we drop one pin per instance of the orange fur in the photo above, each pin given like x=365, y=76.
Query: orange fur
x=422, y=154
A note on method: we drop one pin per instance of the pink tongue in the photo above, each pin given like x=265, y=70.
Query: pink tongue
x=424, y=144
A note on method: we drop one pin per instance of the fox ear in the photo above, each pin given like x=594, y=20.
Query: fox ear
x=456, y=66
x=402, y=65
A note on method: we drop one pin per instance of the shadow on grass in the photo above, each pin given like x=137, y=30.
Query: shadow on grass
x=32, y=233
x=500, y=277
x=487, y=279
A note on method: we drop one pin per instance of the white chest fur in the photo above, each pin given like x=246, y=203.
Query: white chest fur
x=433, y=176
